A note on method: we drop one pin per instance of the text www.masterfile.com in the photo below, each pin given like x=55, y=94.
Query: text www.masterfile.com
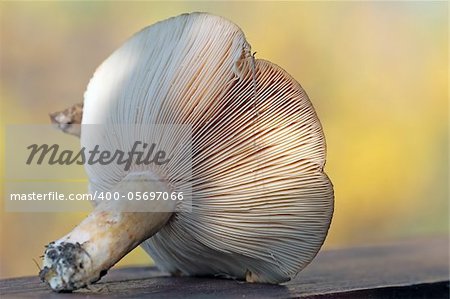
x=106, y=196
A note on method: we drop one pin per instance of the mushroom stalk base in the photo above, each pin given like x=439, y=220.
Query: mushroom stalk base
x=84, y=255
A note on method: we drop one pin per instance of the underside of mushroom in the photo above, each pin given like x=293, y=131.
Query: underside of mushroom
x=261, y=203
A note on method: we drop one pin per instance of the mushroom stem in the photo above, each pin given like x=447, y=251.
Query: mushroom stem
x=85, y=254
x=69, y=120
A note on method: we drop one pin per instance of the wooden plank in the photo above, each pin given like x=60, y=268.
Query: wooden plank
x=405, y=269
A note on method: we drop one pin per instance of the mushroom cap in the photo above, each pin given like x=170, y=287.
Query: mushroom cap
x=261, y=203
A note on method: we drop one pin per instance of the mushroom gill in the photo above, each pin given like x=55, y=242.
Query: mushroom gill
x=261, y=204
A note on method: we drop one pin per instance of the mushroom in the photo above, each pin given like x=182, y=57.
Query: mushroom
x=261, y=203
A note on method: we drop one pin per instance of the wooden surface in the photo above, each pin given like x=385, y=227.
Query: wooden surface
x=408, y=269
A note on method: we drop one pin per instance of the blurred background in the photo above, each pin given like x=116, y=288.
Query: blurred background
x=376, y=73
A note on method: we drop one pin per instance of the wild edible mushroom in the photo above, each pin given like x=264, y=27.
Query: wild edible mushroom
x=261, y=202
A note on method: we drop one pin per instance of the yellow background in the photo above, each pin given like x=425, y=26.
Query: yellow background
x=375, y=72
